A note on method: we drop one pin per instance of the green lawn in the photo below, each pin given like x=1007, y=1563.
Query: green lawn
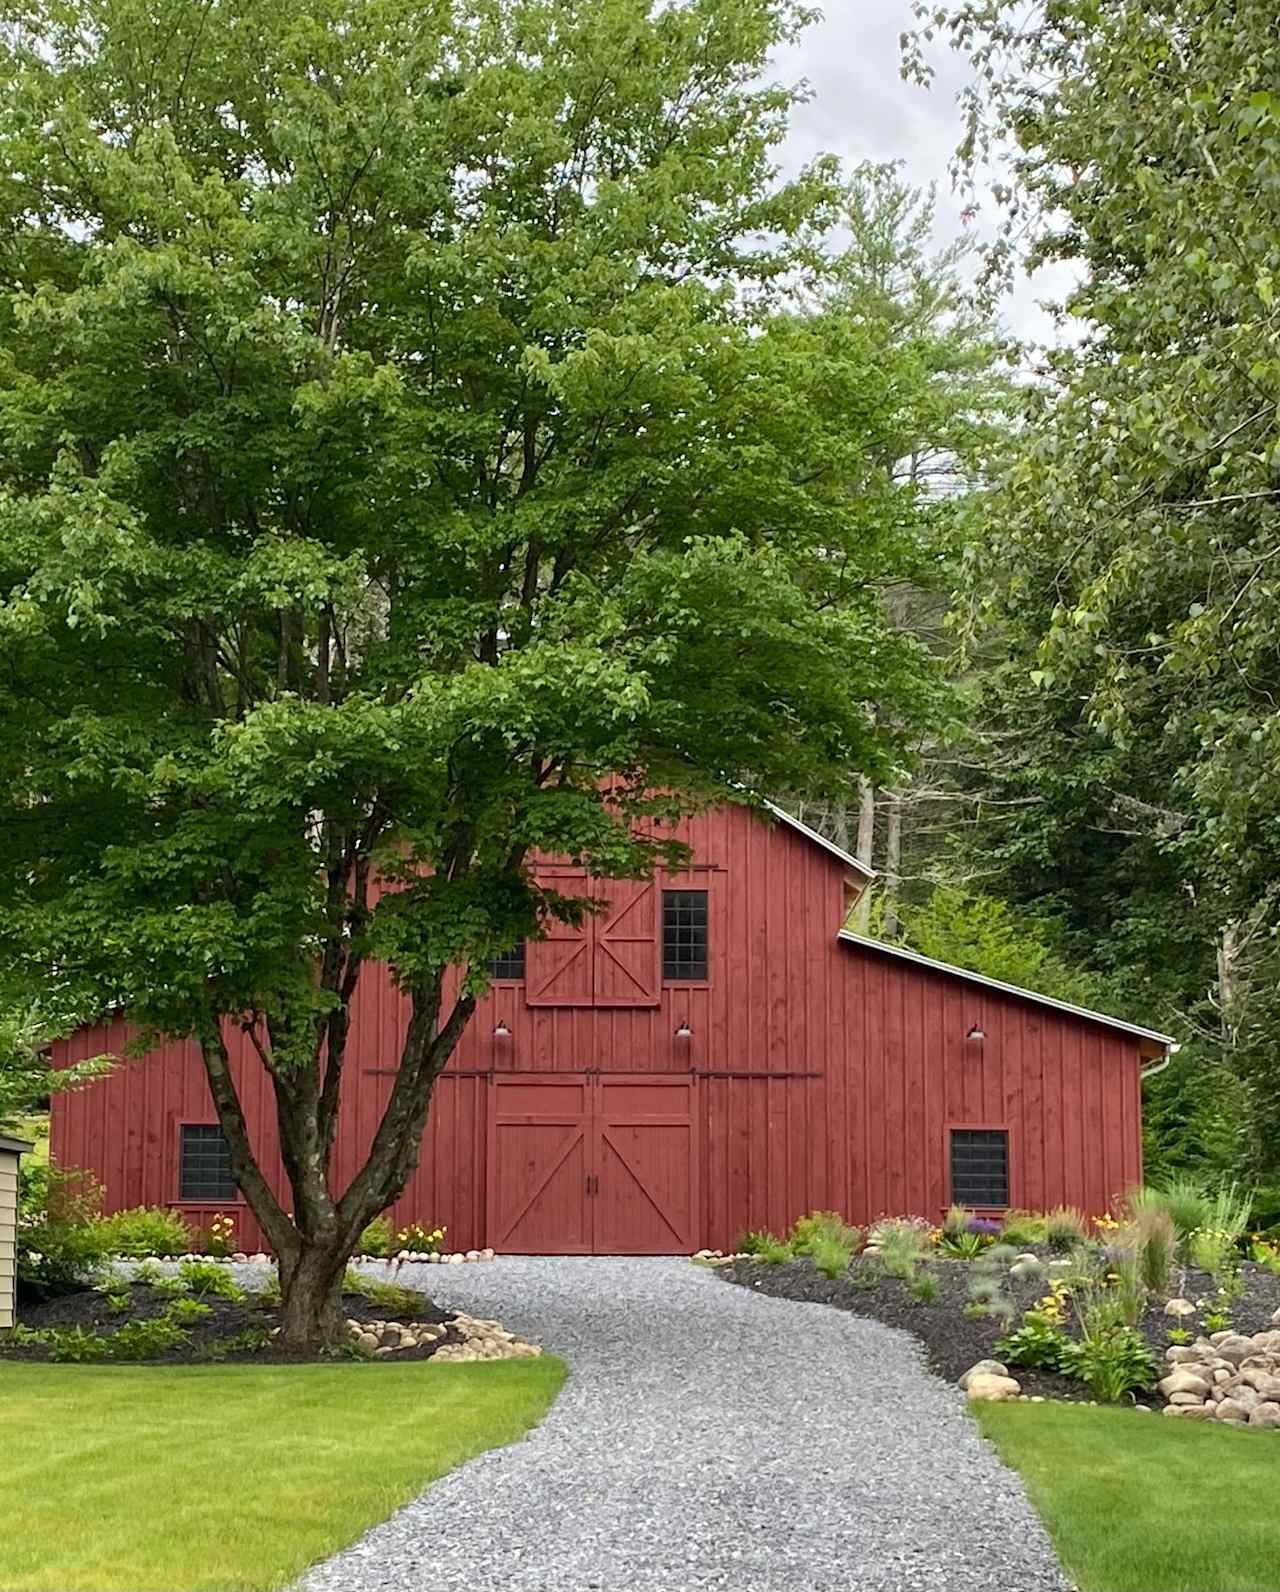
x=228, y=1478
x=1140, y=1503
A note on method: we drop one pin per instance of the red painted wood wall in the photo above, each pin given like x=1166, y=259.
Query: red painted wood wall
x=824, y=1074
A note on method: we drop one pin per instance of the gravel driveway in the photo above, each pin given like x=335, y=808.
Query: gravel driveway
x=707, y=1437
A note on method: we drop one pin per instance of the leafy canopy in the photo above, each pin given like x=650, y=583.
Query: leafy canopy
x=410, y=414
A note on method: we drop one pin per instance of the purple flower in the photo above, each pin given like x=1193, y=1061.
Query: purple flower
x=984, y=1225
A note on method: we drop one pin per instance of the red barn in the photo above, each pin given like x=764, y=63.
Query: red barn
x=713, y=1053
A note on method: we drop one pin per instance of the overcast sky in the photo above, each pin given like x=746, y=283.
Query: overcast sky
x=862, y=110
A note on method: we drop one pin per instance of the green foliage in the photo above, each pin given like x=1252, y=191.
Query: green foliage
x=811, y=1230
x=115, y=1291
x=753, y=1241
x=985, y=1286
x=1266, y=1254
x=145, y=1230
x=956, y=1221
x=182, y=1312
x=1179, y=1335
x=1153, y=1241
x=376, y=1239
x=1121, y=578
x=252, y=1340
x=204, y=1277
x=991, y=937
x=1129, y=1289
x=1112, y=1360
x=1036, y=1344
x=924, y=1288
x=59, y=1240
x=903, y=1244
x=965, y=1246
x=772, y=1251
x=1023, y=1228
x=1183, y=1198
x=1065, y=1229
x=27, y=1337
x=170, y=1287
x=831, y=1256
x=27, y=1078
x=76, y=1345
x=388, y=1296
x=410, y=415
x=1230, y=1209
x=145, y=1340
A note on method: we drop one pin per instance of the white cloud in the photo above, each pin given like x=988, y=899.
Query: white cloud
x=862, y=110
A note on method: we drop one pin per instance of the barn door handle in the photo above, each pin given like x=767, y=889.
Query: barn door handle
x=593, y=1185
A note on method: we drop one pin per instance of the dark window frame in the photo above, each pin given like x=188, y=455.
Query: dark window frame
x=509, y=968
x=209, y=1194
x=986, y=1174
x=686, y=935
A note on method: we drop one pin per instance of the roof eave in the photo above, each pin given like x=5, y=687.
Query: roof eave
x=830, y=846
x=1151, y=1044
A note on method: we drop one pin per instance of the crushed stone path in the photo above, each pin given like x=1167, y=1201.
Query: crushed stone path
x=707, y=1437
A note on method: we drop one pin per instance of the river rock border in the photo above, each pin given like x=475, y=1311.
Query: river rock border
x=477, y=1339
x=1228, y=1376
x=420, y=1257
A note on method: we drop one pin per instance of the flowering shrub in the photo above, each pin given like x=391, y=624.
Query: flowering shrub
x=417, y=1237
x=220, y=1238
x=1263, y=1252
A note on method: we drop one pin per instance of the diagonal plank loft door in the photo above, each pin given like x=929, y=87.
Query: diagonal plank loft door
x=592, y=1164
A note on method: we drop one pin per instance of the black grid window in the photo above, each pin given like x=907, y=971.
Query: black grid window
x=979, y=1166
x=684, y=934
x=510, y=964
x=204, y=1171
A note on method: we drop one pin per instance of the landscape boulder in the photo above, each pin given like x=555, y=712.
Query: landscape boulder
x=983, y=1368
x=990, y=1388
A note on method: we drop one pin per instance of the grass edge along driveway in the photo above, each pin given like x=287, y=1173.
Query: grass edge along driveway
x=1141, y=1503
x=231, y=1478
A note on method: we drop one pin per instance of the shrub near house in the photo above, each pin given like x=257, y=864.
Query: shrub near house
x=1170, y=1301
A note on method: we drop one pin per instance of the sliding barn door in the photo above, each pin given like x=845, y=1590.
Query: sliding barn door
x=600, y=1164
x=539, y=1163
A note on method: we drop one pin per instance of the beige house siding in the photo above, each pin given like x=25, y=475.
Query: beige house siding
x=8, y=1226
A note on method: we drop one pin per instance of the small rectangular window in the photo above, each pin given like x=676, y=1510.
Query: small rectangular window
x=204, y=1171
x=684, y=934
x=980, y=1166
x=510, y=964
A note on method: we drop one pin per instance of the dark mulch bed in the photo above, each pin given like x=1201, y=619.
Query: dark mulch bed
x=953, y=1341
x=227, y=1318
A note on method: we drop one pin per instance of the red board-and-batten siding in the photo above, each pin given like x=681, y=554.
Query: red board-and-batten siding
x=844, y=1068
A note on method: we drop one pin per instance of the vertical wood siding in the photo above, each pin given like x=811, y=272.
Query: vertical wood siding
x=826, y=1074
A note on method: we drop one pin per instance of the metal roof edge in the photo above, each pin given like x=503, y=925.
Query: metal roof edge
x=21, y=1146
x=1166, y=1040
x=802, y=828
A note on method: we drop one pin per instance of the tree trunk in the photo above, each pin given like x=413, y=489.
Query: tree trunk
x=892, y=865
x=311, y=1319
x=863, y=851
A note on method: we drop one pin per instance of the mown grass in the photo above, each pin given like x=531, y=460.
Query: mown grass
x=1140, y=1503
x=231, y=1478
